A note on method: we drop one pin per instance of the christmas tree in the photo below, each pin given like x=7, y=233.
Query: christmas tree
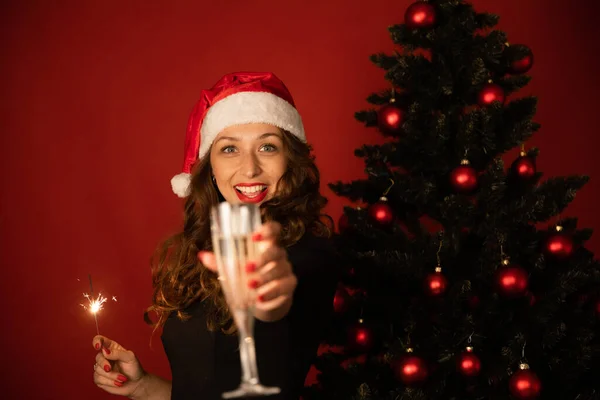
x=461, y=279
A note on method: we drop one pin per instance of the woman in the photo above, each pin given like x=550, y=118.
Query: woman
x=245, y=143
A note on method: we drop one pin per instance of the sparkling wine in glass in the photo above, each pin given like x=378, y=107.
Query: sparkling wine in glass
x=232, y=226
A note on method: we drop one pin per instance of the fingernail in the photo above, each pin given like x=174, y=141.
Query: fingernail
x=253, y=283
x=97, y=346
x=250, y=267
x=106, y=350
x=256, y=237
x=119, y=384
x=122, y=378
x=261, y=298
x=107, y=368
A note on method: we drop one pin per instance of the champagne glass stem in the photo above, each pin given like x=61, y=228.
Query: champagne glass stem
x=248, y=350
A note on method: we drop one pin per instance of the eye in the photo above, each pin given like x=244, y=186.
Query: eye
x=228, y=149
x=269, y=148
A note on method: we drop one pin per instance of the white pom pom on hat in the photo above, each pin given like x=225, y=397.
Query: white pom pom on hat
x=237, y=98
x=180, y=184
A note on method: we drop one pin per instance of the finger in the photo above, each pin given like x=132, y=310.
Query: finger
x=118, y=354
x=208, y=259
x=114, y=389
x=271, y=271
x=271, y=253
x=103, y=341
x=102, y=363
x=272, y=304
x=107, y=382
x=268, y=231
x=272, y=265
x=99, y=340
x=283, y=287
x=101, y=370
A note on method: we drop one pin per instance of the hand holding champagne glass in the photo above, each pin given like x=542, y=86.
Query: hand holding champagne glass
x=232, y=226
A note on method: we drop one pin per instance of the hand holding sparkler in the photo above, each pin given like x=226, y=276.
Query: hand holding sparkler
x=117, y=370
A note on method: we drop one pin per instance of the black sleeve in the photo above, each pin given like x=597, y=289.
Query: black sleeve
x=315, y=265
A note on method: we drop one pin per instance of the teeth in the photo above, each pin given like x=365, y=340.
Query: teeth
x=251, y=189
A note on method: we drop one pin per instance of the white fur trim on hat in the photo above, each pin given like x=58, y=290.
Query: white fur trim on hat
x=246, y=108
x=180, y=184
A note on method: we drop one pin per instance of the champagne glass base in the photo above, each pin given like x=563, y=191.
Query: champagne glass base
x=251, y=390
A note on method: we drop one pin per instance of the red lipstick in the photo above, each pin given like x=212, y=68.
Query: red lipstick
x=255, y=197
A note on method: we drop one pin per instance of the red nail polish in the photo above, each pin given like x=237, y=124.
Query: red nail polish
x=256, y=237
x=97, y=346
x=250, y=267
x=106, y=350
x=261, y=298
x=119, y=384
x=122, y=378
x=107, y=368
x=253, y=283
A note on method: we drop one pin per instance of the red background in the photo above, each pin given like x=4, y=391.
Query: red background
x=95, y=100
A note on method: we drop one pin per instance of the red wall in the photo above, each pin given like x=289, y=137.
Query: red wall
x=95, y=100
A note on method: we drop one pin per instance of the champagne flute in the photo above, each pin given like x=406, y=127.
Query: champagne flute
x=232, y=226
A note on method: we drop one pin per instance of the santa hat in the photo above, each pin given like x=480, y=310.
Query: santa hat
x=236, y=99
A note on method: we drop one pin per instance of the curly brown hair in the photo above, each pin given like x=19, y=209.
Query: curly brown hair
x=178, y=277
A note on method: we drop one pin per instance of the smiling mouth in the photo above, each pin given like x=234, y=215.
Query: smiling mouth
x=251, y=191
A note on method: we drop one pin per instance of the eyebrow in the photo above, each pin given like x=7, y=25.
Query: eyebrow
x=237, y=139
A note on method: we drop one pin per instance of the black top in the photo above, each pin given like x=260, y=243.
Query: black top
x=205, y=364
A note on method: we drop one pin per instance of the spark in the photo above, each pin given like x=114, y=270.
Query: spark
x=94, y=305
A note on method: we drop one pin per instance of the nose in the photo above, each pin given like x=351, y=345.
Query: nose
x=250, y=166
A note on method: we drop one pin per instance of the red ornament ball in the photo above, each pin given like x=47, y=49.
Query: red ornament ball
x=512, y=281
x=559, y=246
x=468, y=363
x=381, y=212
x=520, y=58
x=420, y=15
x=525, y=385
x=524, y=168
x=411, y=370
x=463, y=178
x=490, y=93
x=360, y=337
x=435, y=284
x=389, y=119
x=341, y=300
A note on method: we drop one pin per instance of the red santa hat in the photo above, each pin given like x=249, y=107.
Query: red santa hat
x=237, y=98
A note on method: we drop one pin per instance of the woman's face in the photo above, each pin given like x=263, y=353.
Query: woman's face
x=247, y=162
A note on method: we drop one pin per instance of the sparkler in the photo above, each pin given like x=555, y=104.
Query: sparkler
x=94, y=304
